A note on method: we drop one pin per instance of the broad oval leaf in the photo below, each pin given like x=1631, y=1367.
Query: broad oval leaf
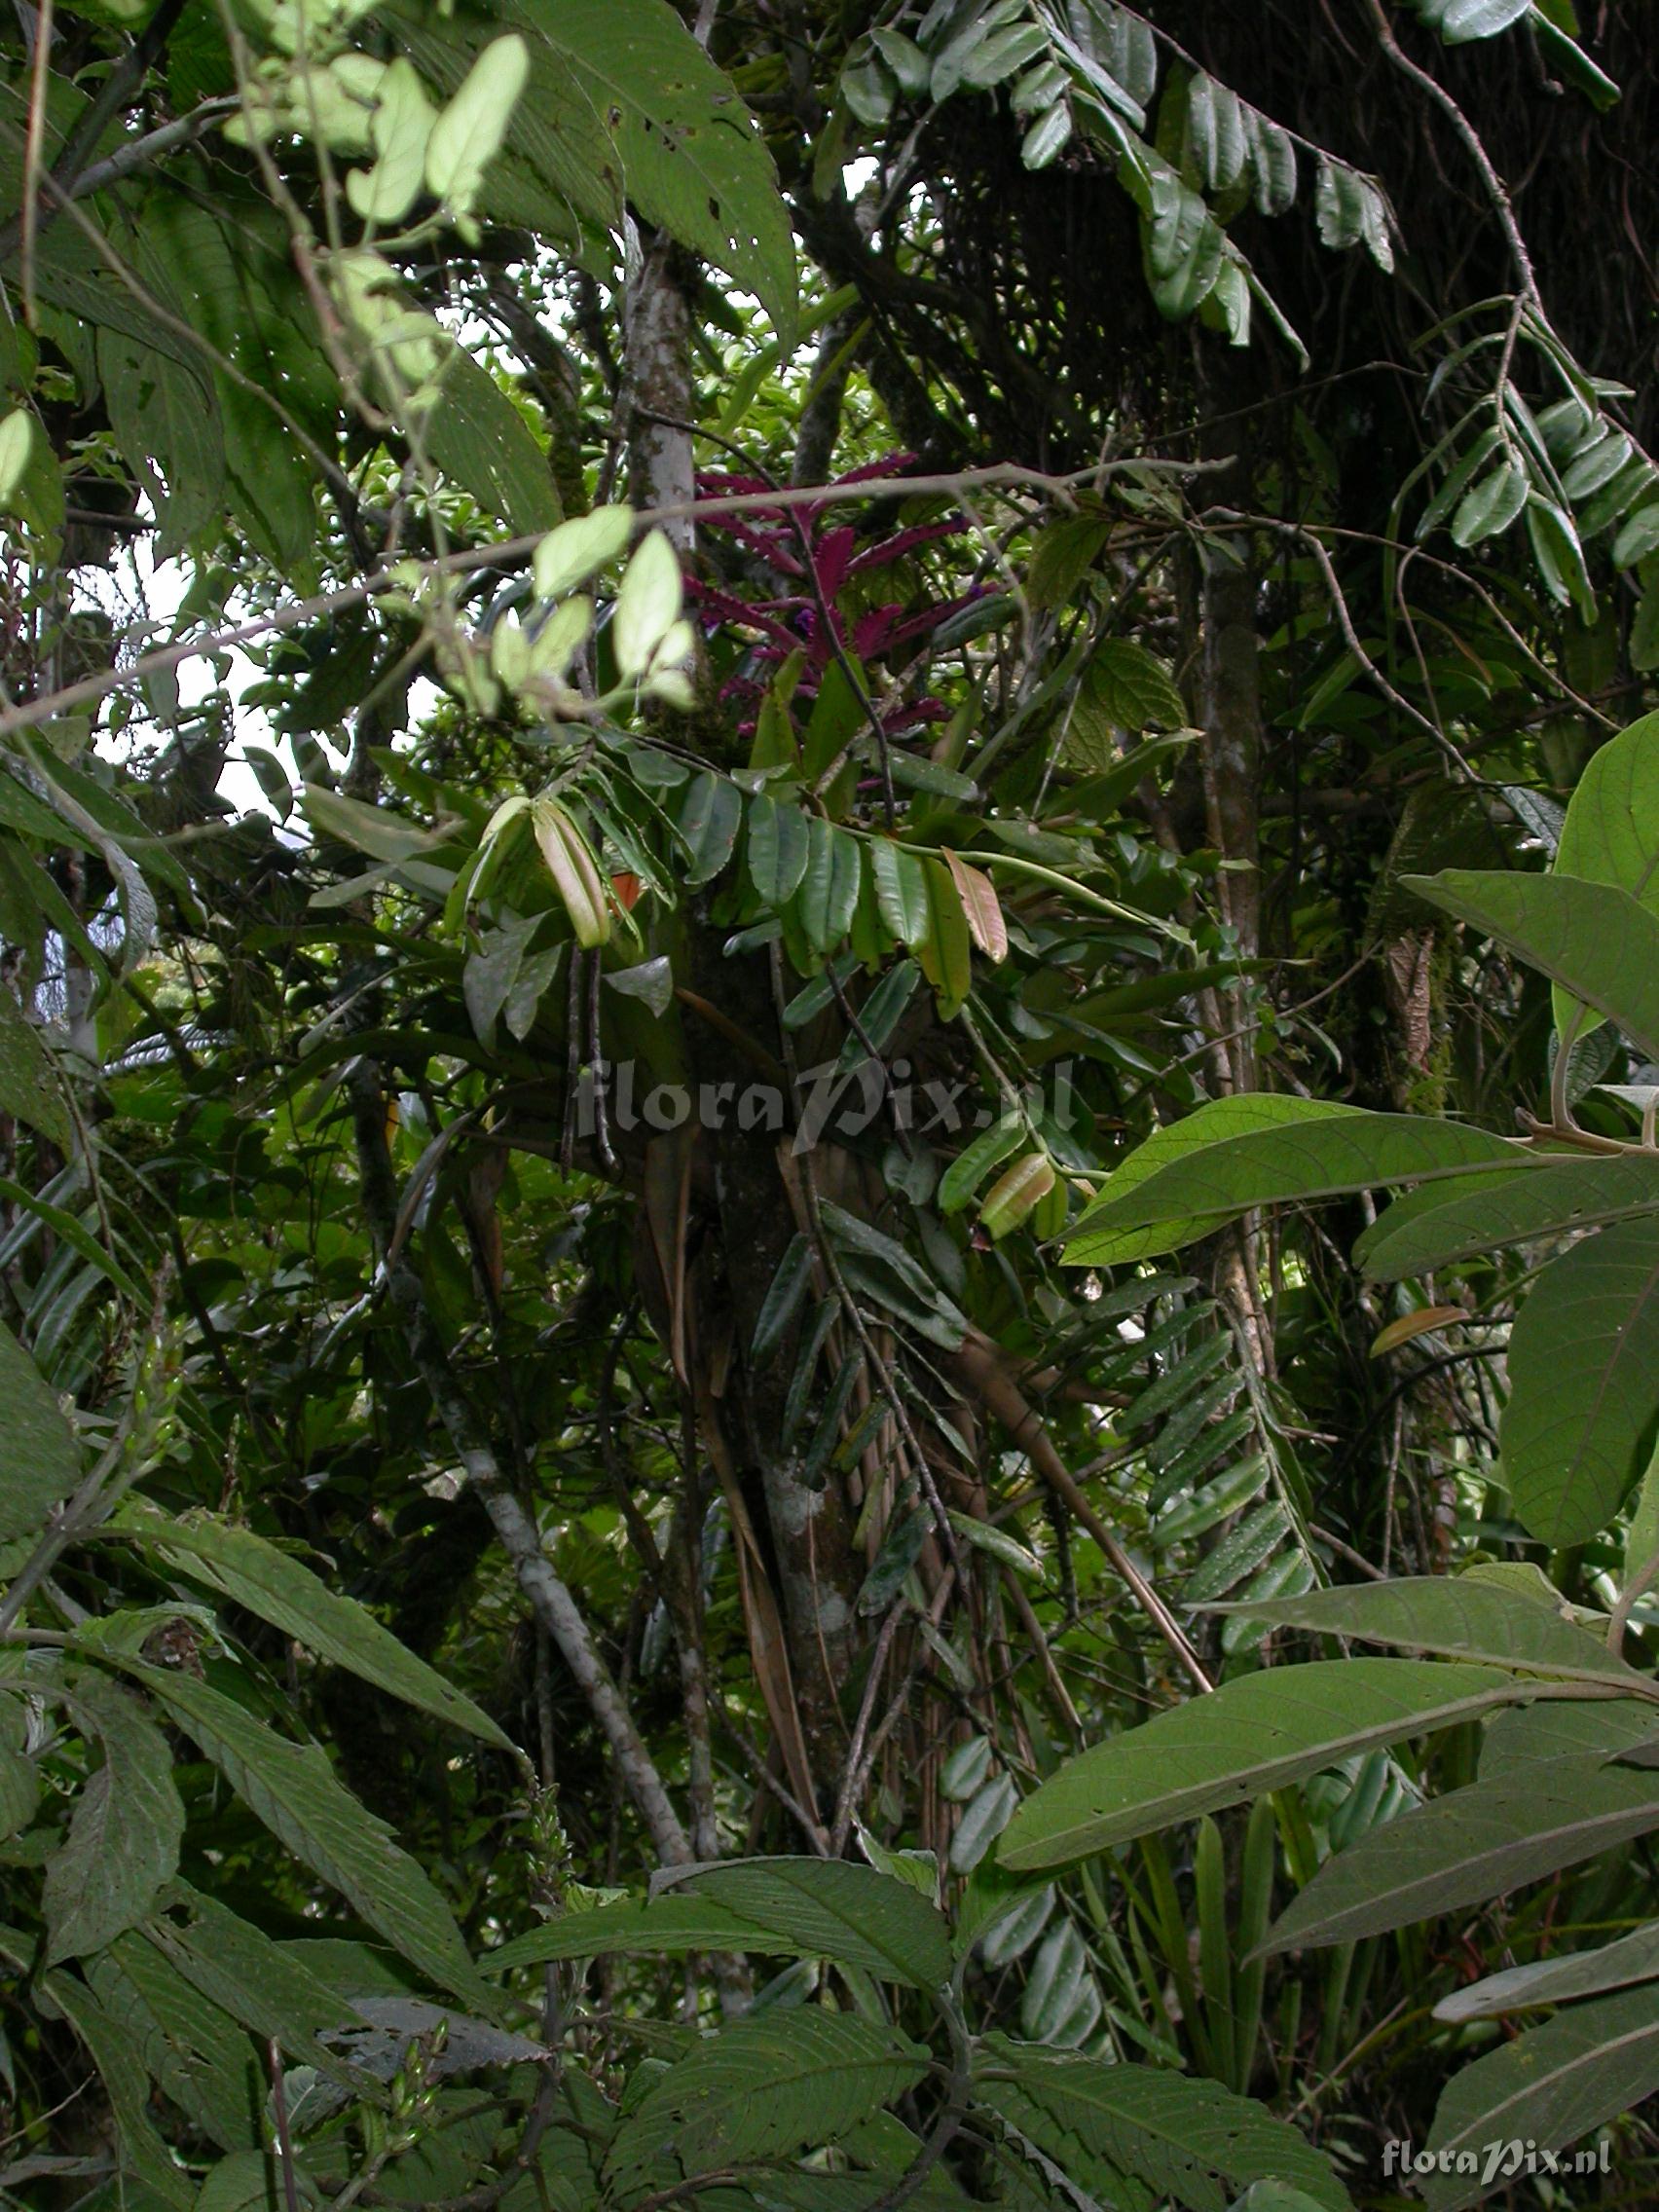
x=40, y=1461
x=1611, y=834
x=1592, y=937
x=1250, y=1736
x=1584, y=1384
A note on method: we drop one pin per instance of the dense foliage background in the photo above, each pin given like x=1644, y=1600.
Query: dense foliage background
x=760, y=772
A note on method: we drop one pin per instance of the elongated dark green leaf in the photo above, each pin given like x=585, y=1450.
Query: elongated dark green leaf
x=282, y=1590
x=40, y=1461
x=1590, y=2064
x=1553, y=1981
x=292, y=1789
x=28, y=1082
x=830, y=888
x=765, y=2087
x=828, y=1908
x=1470, y=1845
x=1296, y=1149
x=776, y=849
x=123, y=1835
x=127, y=2084
x=1459, y=1617
x=1182, y=2138
x=900, y=890
x=1595, y=940
x=1249, y=1736
x=711, y=817
x=1429, y=1230
x=1584, y=1384
x=1552, y=1729
x=635, y=1926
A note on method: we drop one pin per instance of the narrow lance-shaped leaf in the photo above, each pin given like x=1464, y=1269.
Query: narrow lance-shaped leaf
x=1584, y=1384
x=1432, y=1229
x=839, y=1909
x=124, y=1834
x=1312, y=1150
x=1554, y=1981
x=1250, y=1736
x=293, y=1790
x=282, y=1591
x=1475, y=1843
x=1459, y=1617
x=1590, y=2064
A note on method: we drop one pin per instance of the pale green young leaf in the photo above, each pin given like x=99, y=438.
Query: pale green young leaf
x=399, y=130
x=569, y=555
x=647, y=606
x=469, y=132
x=1250, y=1736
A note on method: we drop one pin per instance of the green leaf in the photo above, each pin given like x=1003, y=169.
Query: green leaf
x=1611, y=835
x=663, y=1927
x=1350, y=211
x=469, y=132
x=1459, y=21
x=1457, y=1617
x=1236, y=1154
x=1492, y=506
x=710, y=821
x=975, y=1161
x=945, y=954
x=1250, y=1736
x=829, y=887
x=647, y=604
x=828, y=1908
x=123, y=1835
x=1133, y=687
x=1596, y=940
x=480, y=441
x=293, y=1790
x=1584, y=1384
x=901, y=890
x=1432, y=1230
x=1179, y=2137
x=766, y=2086
x=1590, y=2064
x=1554, y=1981
x=280, y=1590
x=40, y=1461
x=127, y=2084
x=1475, y=1843
x=778, y=849
x=671, y=126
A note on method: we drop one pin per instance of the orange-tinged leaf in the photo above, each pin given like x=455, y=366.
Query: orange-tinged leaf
x=981, y=905
x=1409, y=1325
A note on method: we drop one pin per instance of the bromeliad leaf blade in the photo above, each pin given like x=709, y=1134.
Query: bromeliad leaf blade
x=1584, y=1382
x=1593, y=938
x=1299, y=1149
x=1248, y=1737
